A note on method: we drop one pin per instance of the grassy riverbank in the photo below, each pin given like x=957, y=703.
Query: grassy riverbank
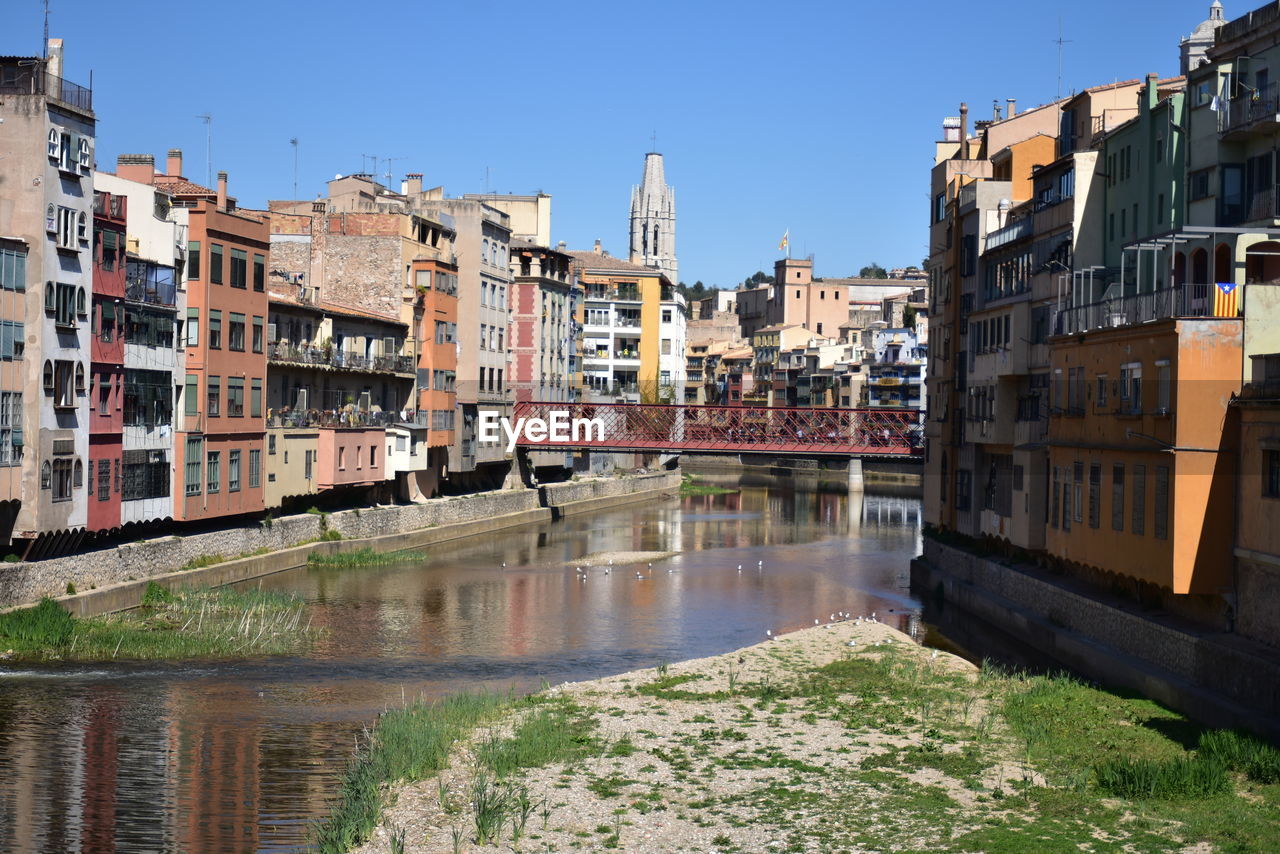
x=806, y=743
x=201, y=623
x=691, y=485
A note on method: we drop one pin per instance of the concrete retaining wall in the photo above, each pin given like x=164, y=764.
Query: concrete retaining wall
x=1220, y=678
x=582, y=496
x=28, y=582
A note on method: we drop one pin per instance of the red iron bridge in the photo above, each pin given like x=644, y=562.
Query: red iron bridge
x=663, y=428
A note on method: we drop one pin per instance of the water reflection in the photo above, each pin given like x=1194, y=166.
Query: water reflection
x=238, y=757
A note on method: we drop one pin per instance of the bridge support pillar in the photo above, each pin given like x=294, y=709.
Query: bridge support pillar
x=855, y=475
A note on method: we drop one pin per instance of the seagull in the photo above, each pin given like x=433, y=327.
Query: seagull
x=504, y=564
x=853, y=643
x=739, y=570
x=639, y=575
x=759, y=563
x=669, y=571
x=768, y=633
x=815, y=622
x=873, y=616
x=832, y=618
x=739, y=567
x=606, y=570
x=651, y=566
x=610, y=561
x=934, y=654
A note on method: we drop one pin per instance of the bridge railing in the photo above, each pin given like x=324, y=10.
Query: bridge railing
x=728, y=429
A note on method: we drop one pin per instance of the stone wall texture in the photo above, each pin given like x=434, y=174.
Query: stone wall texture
x=560, y=494
x=27, y=582
x=1221, y=664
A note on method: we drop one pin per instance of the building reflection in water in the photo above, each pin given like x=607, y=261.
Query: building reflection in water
x=240, y=756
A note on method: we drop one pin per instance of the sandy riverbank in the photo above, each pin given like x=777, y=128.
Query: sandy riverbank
x=691, y=755
x=847, y=737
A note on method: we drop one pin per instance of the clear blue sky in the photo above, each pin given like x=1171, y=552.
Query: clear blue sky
x=817, y=117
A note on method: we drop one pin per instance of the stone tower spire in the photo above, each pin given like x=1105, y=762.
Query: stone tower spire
x=653, y=220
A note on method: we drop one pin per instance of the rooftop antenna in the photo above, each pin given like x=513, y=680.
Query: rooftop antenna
x=363, y=169
x=1060, y=41
x=46, y=30
x=294, y=143
x=654, y=139
x=387, y=174
x=208, y=149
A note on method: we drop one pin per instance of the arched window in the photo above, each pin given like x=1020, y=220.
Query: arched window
x=77, y=476
x=79, y=378
x=82, y=227
x=48, y=375
x=81, y=302
x=50, y=297
x=55, y=140
x=484, y=251
x=46, y=475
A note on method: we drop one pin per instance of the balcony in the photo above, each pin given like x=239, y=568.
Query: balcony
x=109, y=205
x=32, y=80
x=1013, y=231
x=149, y=283
x=356, y=419
x=623, y=294
x=1251, y=112
x=283, y=352
x=1186, y=300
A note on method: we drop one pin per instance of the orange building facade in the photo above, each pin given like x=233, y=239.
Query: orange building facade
x=1138, y=486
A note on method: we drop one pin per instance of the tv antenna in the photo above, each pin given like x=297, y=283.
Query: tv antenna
x=1060, y=41
x=294, y=143
x=46, y=30
x=207, y=118
x=387, y=174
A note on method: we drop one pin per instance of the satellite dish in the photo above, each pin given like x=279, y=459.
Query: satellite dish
x=337, y=177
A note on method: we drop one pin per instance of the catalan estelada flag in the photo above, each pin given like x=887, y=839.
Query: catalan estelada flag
x=1224, y=300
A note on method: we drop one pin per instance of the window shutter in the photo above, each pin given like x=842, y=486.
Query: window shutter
x=6, y=340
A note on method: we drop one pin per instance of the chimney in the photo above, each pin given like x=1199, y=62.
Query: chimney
x=1013, y=106
x=412, y=184
x=995, y=110
x=562, y=246
x=1151, y=96
x=173, y=163
x=222, y=191
x=55, y=58
x=964, y=121
x=597, y=249
x=136, y=167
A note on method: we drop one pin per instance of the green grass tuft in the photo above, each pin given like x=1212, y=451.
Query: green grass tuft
x=363, y=557
x=406, y=745
x=1139, y=779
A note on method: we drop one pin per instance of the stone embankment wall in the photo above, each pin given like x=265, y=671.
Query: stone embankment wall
x=582, y=496
x=27, y=582
x=1218, y=677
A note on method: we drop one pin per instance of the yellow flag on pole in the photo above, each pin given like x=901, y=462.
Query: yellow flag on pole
x=786, y=238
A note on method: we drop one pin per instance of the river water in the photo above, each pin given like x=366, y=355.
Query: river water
x=242, y=756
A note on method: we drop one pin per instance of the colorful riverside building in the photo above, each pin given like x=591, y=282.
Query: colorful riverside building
x=366, y=262
x=221, y=432
x=544, y=327
x=633, y=329
x=154, y=300
x=46, y=267
x=106, y=376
